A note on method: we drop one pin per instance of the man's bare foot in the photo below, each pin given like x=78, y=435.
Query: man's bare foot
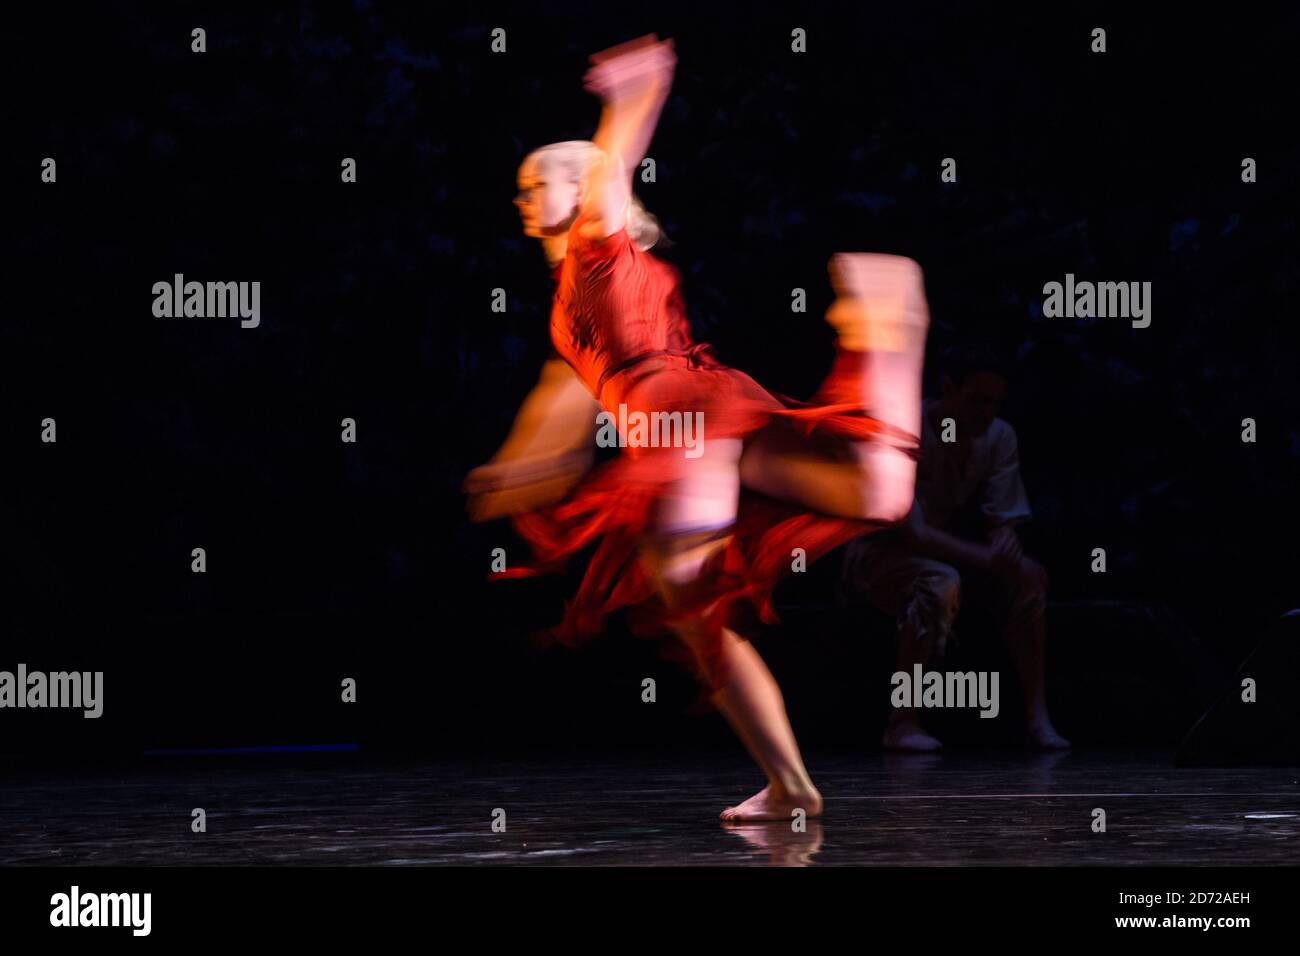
x=1044, y=736
x=766, y=805
x=909, y=737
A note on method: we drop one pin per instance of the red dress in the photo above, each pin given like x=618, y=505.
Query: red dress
x=619, y=321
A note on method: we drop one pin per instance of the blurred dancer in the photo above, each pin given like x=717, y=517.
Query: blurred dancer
x=683, y=538
x=961, y=536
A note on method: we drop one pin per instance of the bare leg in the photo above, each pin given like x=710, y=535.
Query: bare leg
x=749, y=699
x=904, y=730
x=882, y=320
x=931, y=596
x=745, y=691
x=752, y=704
x=1025, y=635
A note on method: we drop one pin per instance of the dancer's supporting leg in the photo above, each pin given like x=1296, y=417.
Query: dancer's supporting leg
x=703, y=504
x=882, y=320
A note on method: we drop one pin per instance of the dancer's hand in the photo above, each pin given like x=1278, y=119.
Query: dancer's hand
x=619, y=49
x=633, y=81
x=506, y=487
x=632, y=68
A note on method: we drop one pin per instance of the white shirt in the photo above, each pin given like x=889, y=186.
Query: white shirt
x=991, y=475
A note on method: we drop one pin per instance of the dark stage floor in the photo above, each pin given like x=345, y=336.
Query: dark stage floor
x=990, y=809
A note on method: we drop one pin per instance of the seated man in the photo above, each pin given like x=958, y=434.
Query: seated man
x=961, y=532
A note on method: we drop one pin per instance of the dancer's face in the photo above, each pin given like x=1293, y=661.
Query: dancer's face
x=976, y=401
x=547, y=200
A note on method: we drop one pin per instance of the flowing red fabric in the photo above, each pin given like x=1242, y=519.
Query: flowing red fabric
x=618, y=320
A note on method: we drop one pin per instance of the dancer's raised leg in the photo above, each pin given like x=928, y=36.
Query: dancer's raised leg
x=882, y=320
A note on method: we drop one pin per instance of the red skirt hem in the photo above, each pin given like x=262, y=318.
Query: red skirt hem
x=612, y=508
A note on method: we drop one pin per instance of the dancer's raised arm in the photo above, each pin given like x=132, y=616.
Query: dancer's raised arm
x=632, y=80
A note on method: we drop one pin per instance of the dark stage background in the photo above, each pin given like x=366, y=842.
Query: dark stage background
x=328, y=560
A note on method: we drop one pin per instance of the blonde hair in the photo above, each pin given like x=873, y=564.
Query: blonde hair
x=576, y=158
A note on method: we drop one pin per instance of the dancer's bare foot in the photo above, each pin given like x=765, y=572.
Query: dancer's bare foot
x=909, y=736
x=1044, y=736
x=769, y=805
x=881, y=302
x=880, y=313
